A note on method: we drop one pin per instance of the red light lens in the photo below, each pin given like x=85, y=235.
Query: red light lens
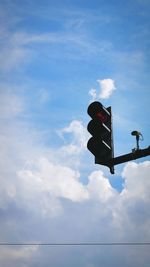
x=101, y=117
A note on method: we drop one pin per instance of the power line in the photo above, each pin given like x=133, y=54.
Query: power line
x=79, y=244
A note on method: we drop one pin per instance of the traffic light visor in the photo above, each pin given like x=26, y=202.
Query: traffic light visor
x=97, y=111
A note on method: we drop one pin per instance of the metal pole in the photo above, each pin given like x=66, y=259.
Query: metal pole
x=112, y=170
x=137, y=141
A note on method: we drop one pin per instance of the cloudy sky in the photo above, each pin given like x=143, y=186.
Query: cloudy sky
x=56, y=57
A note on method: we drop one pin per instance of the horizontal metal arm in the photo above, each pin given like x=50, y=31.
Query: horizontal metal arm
x=138, y=153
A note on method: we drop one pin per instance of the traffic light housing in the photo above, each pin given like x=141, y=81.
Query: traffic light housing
x=100, y=127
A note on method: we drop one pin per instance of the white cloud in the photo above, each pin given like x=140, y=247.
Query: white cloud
x=132, y=207
x=32, y=172
x=79, y=137
x=99, y=187
x=57, y=206
x=107, y=86
x=137, y=183
x=54, y=180
x=93, y=93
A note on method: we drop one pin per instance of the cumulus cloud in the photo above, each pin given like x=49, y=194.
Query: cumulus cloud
x=99, y=187
x=107, y=87
x=56, y=180
x=79, y=136
x=44, y=200
x=137, y=183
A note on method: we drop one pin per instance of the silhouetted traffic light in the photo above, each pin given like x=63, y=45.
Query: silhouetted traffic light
x=100, y=127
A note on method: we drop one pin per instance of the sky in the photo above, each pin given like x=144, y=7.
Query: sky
x=56, y=57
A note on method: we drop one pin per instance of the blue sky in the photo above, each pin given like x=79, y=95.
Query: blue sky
x=56, y=57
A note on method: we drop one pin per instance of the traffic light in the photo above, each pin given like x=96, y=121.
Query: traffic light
x=100, y=127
